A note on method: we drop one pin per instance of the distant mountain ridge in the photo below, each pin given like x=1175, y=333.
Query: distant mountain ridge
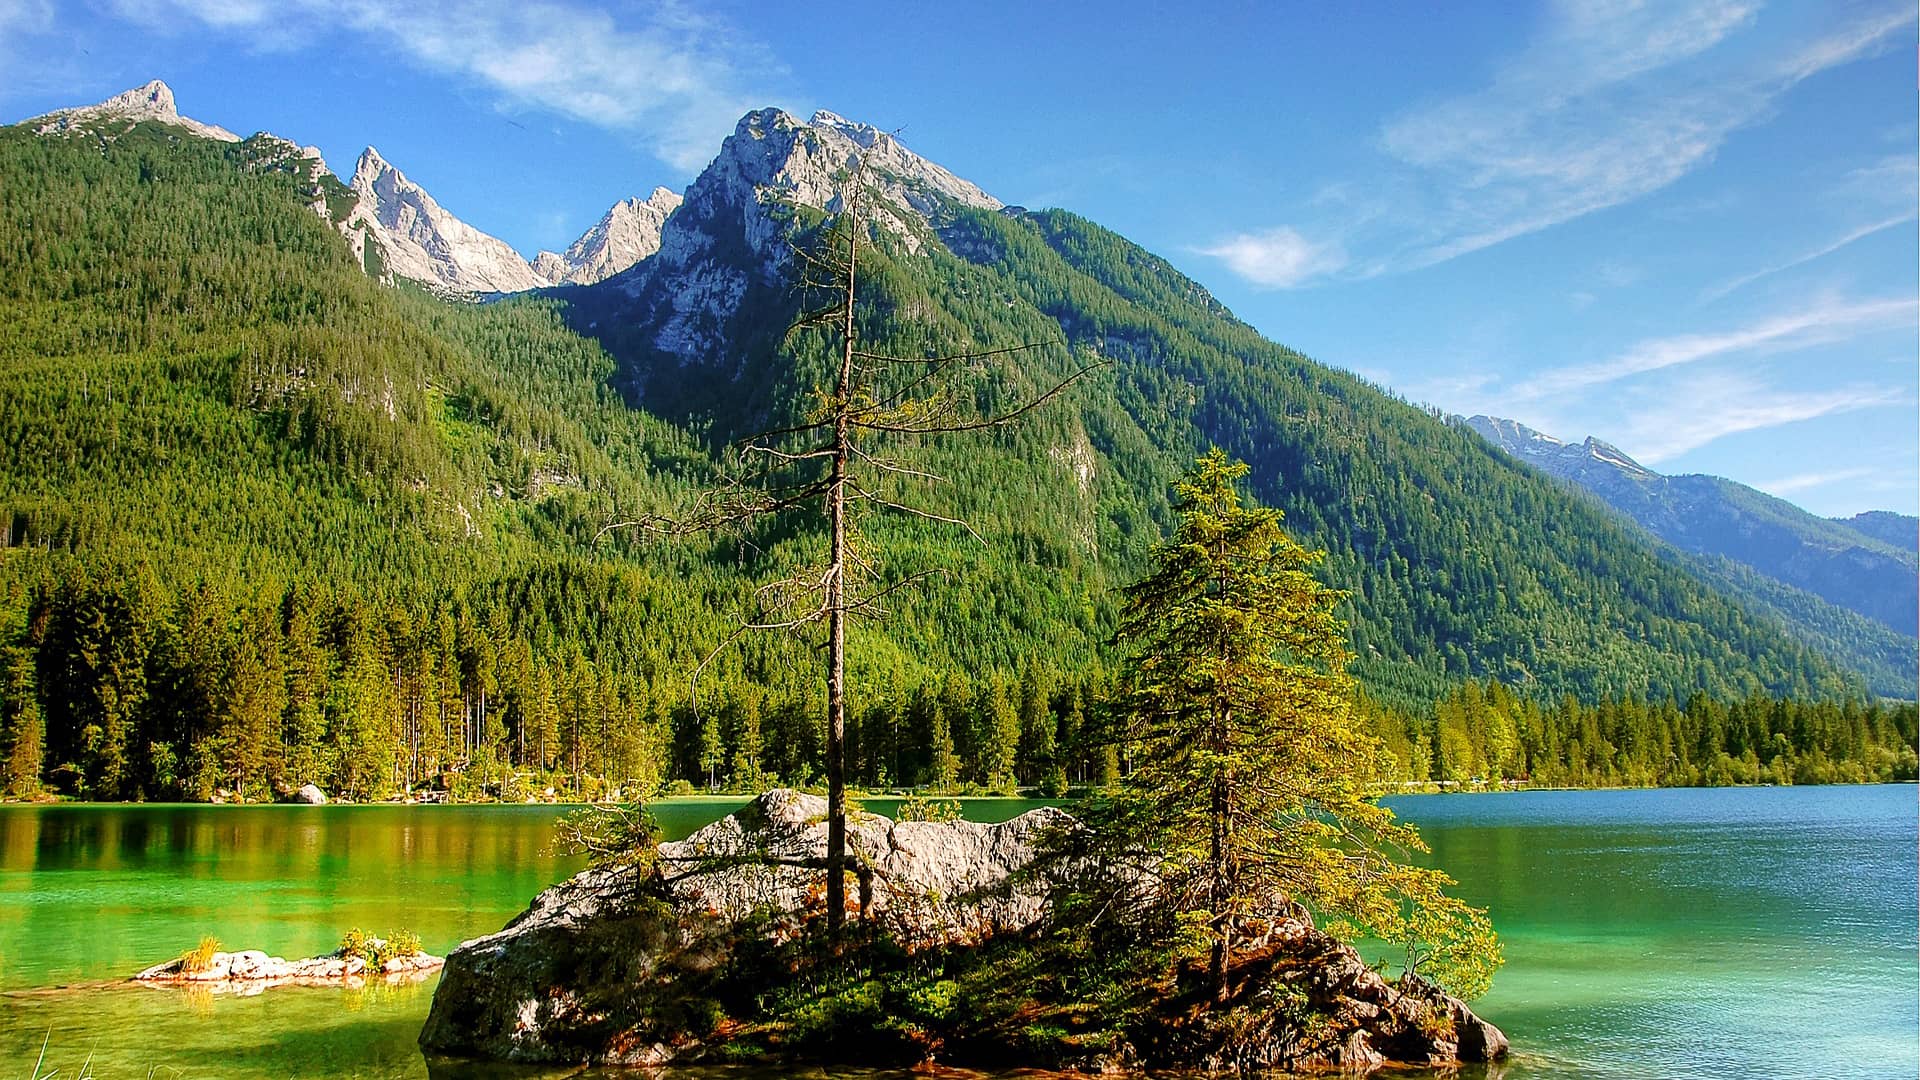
x=1851, y=564
x=699, y=330
x=1899, y=530
x=412, y=235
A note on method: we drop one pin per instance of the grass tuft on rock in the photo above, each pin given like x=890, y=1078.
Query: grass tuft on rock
x=200, y=957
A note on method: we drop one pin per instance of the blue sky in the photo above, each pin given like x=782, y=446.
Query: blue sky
x=1685, y=226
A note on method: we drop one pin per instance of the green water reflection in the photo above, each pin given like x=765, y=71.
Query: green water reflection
x=1765, y=932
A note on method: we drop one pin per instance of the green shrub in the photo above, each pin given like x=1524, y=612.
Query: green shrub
x=376, y=951
x=920, y=808
x=934, y=1000
x=608, y=833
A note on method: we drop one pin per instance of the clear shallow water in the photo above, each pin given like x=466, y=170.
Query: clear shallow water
x=1760, y=932
x=1731, y=932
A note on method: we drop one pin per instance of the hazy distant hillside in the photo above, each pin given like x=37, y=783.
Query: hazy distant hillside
x=1897, y=530
x=1862, y=565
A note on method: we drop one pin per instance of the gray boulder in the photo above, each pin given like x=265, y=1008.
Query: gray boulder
x=927, y=882
x=1367, y=1020
x=305, y=795
x=537, y=990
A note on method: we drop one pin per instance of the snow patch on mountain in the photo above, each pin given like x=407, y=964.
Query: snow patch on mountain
x=1608, y=454
x=154, y=101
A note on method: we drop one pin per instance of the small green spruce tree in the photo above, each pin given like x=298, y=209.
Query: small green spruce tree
x=1252, y=777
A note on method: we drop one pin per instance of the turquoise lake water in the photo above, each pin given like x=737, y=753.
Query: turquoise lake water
x=1765, y=932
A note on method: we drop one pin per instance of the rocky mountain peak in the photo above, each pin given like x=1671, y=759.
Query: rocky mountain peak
x=1609, y=454
x=1543, y=451
x=773, y=157
x=421, y=241
x=864, y=134
x=370, y=165
x=155, y=98
x=1512, y=435
x=627, y=233
x=151, y=101
x=741, y=205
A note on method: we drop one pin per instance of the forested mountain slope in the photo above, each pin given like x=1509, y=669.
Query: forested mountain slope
x=1459, y=563
x=267, y=517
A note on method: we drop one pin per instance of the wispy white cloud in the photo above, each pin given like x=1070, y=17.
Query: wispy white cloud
x=1686, y=414
x=1859, y=38
x=1682, y=391
x=1808, y=481
x=1824, y=322
x=1618, y=274
x=25, y=14
x=1612, y=101
x=1276, y=258
x=1890, y=184
x=673, y=77
x=1617, y=101
x=1861, y=233
x=20, y=19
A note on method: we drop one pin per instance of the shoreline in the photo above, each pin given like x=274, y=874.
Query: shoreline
x=730, y=798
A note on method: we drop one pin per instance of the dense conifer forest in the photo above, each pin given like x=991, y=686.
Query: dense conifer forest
x=269, y=521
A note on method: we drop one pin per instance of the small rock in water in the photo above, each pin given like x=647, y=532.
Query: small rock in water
x=250, y=971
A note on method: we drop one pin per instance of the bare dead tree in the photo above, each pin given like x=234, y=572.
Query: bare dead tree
x=836, y=462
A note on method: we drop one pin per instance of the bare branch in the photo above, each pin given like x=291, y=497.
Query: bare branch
x=693, y=681
x=1001, y=420
x=952, y=357
x=650, y=523
x=910, y=579
x=867, y=496
x=901, y=470
x=774, y=433
x=782, y=455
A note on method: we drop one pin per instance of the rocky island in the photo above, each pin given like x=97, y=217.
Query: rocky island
x=251, y=971
x=709, y=952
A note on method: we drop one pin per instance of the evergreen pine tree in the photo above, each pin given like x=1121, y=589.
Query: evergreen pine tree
x=1251, y=777
x=22, y=728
